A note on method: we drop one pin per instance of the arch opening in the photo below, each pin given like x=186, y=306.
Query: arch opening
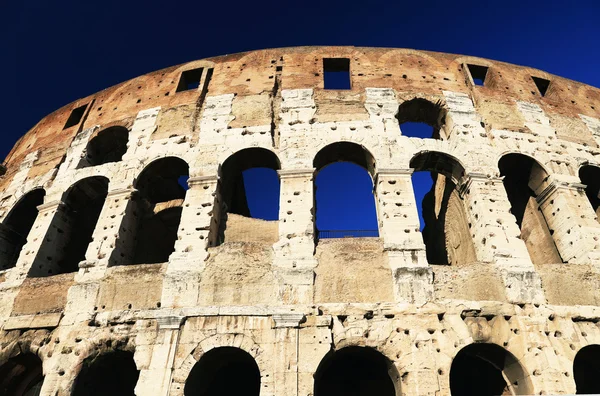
x=71, y=229
x=524, y=179
x=224, y=371
x=150, y=226
x=110, y=373
x=442, y=214
x=17, y=225
x=107, y=146
x=356, y=371
x=249, y=197
x=343, y=188
x=586, y=370
x=590, y=176
x=420, y=118
x=487, y=369
x=22, y=375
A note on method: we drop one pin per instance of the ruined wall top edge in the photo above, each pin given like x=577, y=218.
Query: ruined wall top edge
x=407, y=72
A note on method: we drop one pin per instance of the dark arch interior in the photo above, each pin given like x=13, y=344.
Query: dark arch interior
x=233, y=190
x=21, y=376
x=586, y=370
x=590, y=176
x=224, y=371
x=421, y=111
x=523, y=176
x=249, y=183
x=17, y=226
x=107, y=146
x=480, y=370
x=343, y=188
x=354, y=371
x=71, y=229
x=154, y=214
x=435, y=193
x=112, y=373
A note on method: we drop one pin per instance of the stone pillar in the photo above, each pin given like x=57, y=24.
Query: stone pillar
x=155, y=380
x=286, y=354
x=572, y=222
x=198, y=230
x=496, y=237
x=294, y=252
x=399, y=227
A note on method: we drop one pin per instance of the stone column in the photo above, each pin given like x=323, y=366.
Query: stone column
x=286, y=352
x=496, y=237
x=399, y=227
x=155, y=380
x=572, y=222
x=294, y=252
x=198, y=230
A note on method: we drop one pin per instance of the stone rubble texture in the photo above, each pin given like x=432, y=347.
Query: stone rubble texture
x=276, y=294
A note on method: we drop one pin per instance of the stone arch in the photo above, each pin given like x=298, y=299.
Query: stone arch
x=232, y=196
x=358, y=155
x=22, y=375
x=71, y=229
x=586, y=369
x=152, y=216
x=361, y=370
x=105, y=146
x=446, y=231
x=423, y=111
x=234, y=340
x=17, y=225
x=524, y=180
x=212, y=374
x=488, y=369
x=589, y=174
x=104, y=358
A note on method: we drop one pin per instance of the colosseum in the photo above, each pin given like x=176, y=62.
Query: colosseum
x=131, y=263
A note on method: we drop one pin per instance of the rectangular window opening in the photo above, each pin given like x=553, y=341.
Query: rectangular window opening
x=190, y=79
x=478, y=73
x=75, y=117
x=542, y=84
x=336, y=73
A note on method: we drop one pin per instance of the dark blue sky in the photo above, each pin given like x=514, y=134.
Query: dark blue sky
x=56, y=52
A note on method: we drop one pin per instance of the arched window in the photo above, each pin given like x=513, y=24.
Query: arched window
x=112, y=373
x=344, y=200
x=356, y=371
x=444, y=223
x=524, y=178
x=421, y=118
x=249, y=189
x=107, y=146
x=586, y=370
x=486, y=370
x=156, y=213
x=21, y=376
x=17, y=225
x=224, y=371
x=590, y=176
x=71, y=229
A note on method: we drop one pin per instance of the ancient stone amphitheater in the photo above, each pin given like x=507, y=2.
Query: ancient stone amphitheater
x=119, y=279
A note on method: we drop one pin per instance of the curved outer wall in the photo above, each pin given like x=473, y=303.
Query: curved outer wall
x=281, y=298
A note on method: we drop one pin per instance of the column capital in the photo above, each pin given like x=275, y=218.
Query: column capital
x=556, y=185
x=45, y=207
x=121, y=191
x=294, y=173
x=205, y=179
x=290, y=319
x=170, y=322
x=469, y=178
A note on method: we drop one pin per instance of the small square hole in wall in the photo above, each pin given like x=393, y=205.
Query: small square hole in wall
x=478, y=73
x=75, y=116
x=190, y=79
x=336, y=73
x=541, y=84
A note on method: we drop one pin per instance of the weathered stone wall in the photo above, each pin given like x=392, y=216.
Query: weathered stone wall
x=269, y=288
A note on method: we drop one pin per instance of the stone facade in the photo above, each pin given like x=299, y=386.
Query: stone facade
x=526, y=283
